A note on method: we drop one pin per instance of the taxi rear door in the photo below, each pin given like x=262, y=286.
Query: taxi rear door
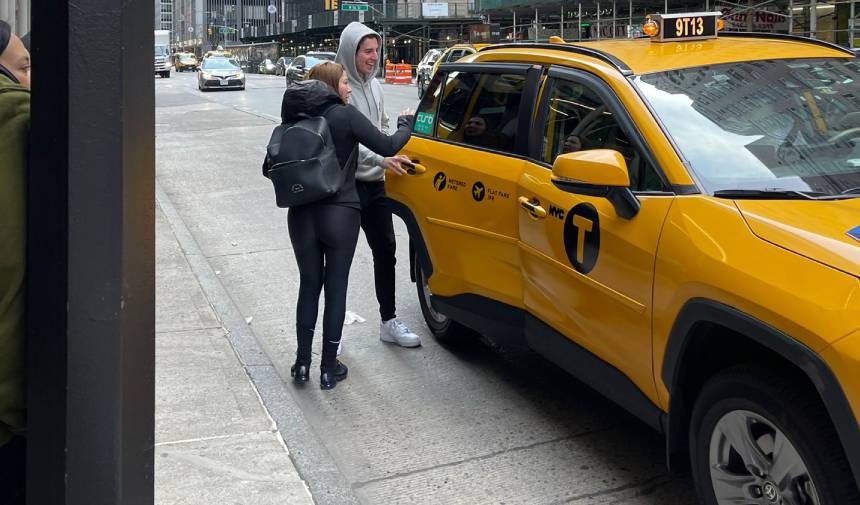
x=472, y=136
x=588, y=272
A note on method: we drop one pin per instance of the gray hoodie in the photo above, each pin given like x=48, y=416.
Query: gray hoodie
x=366, y=96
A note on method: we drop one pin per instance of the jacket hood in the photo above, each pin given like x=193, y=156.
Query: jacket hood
x=825, y=231
x=349, y=39
x=306, y=99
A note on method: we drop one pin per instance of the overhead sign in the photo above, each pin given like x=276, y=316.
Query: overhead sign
x=353, y=6
x=757, y=20
x=434, y=9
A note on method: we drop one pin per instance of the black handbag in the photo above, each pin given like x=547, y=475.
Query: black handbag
x=302, y=162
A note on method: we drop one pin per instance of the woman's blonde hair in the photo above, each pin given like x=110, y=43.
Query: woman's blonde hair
x=328, y=72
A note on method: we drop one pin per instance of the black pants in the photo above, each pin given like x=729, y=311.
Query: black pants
x=376, y=221
x=324, y=239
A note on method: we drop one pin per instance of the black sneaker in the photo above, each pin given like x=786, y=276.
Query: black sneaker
x=330, y=378
x=300, y=372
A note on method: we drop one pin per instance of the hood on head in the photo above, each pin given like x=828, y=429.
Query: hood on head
x=306, y=99
x=349, y=39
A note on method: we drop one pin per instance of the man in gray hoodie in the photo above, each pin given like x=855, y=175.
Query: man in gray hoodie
x=359, y=53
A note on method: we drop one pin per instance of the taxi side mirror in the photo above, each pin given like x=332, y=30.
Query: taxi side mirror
x=597, y=172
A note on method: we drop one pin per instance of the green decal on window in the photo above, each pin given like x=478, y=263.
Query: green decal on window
x=424, y=123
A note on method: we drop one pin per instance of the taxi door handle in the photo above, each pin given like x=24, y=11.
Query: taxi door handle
x=413, y=167
x=534, y=208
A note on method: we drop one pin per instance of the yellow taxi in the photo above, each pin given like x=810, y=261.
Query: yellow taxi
x=454, y=53
x=675, y=220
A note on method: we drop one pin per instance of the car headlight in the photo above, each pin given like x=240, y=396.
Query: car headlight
x=206, y=76
x=240, y=75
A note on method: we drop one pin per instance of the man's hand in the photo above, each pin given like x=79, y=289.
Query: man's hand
x=393, y=164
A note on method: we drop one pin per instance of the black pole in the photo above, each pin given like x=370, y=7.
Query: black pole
x=91, y=255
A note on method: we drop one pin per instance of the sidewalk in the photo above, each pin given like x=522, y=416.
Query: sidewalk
x=214, y=440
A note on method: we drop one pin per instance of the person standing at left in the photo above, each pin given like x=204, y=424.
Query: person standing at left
x=14, y=132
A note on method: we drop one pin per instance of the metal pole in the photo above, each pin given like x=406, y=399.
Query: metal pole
x=813, y=18
x=579, y=23
x=630, y=15
x=613, y=19
x=790, y=16
x=598, y=21
x=561, y=23
x=537, y=24
x=515, y=26
x=851, y=27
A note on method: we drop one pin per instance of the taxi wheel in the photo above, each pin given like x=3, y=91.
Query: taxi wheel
x=441, y=326
x=760, y=440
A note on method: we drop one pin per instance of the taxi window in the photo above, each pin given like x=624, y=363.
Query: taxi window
x=481, y=109
x=578, y=120
x=425, y=115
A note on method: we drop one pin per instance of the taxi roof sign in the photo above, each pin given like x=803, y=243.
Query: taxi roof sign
x=686, y=26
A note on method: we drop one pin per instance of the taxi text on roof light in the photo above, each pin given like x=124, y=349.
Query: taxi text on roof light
x=683, y=26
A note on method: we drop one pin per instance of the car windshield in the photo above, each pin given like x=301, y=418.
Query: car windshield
x=310, y=61
x=186, y=57
x=220, y=64
x=322, y=56
x=160, y=51
x=775, y=125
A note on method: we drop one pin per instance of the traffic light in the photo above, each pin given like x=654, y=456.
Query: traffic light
x=210, y=31
x=331, y=5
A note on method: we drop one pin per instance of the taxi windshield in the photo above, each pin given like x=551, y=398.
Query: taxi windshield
x=220, y=64
x=758, y=126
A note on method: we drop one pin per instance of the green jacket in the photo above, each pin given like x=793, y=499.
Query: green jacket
x=14, y=133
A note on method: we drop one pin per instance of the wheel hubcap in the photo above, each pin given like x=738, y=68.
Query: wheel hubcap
x=753, y=462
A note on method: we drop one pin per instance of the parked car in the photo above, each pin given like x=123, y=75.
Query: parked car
x=300, y=66
x=266, y=66
x=454, y=53
x=220, y=73
x=672, y=219
x=425, y=66
x=322, y=55
x=185, y=61
x=282, y=64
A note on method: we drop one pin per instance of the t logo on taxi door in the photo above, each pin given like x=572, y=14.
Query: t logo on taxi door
x=582, y=237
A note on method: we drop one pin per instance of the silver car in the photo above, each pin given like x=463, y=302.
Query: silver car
x=220, y=73
x=425, y=66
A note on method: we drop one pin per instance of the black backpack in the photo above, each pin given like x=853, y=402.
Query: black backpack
x=301, y=162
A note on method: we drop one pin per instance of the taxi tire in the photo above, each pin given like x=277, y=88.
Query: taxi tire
x=789, y=405
x=444, y=331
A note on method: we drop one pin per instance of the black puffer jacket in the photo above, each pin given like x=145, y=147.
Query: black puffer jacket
x=348, y=127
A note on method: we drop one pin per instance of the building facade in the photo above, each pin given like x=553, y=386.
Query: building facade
x=202, y=25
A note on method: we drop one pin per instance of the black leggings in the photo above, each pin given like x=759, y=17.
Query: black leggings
x=324, y=239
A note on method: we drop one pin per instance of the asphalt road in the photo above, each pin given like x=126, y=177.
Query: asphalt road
x=467, y=423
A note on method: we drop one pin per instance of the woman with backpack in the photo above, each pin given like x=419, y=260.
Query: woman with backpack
x=324, y=233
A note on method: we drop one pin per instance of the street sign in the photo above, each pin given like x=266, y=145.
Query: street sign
x=190, y=29
x=353, y=6
x=272, y=9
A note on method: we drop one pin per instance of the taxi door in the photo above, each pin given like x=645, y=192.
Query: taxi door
x=469, y=138
x=587, y=272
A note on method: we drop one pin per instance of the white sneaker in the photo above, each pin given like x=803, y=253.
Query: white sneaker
x=396, y=332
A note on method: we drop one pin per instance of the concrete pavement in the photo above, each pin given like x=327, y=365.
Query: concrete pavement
x=215, y=441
